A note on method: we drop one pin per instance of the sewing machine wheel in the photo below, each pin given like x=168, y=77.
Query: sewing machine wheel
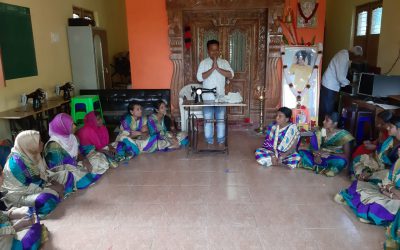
x=199, y=91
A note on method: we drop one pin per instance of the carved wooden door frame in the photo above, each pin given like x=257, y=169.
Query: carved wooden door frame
x=175, y=10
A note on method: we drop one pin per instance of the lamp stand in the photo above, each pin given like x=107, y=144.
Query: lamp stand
x=261, y=129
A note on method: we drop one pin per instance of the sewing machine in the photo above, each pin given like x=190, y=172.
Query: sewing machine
x=37, y=97
x=197, y=93
x=67, y=88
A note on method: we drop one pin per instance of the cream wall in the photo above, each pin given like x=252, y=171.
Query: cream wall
x=111, y=16
x=339, y=28
x=389, y=41
x=53, y=58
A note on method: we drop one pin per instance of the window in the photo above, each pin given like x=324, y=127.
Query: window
x=367, y=30
x=376, y=21
x=362, y=23
x=78, y=12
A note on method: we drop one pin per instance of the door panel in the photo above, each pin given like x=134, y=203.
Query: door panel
x=102, y=55
x=238, y=41
x=238, y=33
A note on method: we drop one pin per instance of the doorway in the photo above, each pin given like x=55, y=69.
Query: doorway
x=239, y=33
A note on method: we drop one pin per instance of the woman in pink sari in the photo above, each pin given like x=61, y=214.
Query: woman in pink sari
x=95, y=143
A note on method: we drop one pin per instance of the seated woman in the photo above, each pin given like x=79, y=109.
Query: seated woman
x=280, y=142
x=134, y=132
x=381, y=123
x=371, y=167
x=61, y=152
x=94, y=144
x=20, y=228
x=166, y=140
x=26, y=182
x=330, y=148
x=378, y=204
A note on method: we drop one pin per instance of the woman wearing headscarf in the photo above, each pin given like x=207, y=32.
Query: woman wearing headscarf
x=26, y=182
x=61, y=152
x=94, y=144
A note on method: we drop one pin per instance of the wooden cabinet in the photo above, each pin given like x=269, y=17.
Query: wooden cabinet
x=350, y=107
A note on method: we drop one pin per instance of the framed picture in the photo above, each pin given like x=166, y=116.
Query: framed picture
x=300, y=80
x=2, y=79
x=307, y=13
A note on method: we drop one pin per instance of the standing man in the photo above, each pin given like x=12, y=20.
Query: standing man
x=212, y=72
x=334, y=78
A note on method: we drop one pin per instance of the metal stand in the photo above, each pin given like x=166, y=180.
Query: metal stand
x=193, y=134
x=260, y=129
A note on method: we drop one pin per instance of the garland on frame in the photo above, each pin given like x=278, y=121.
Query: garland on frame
x=300, y=93
x=307, y=19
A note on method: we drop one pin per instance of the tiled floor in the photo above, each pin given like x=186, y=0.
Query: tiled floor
x=167, y=201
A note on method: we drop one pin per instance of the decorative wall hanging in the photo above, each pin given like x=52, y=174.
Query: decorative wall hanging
x=187, y=36
x=288, y=27
x=307, y=13
x=300, y=79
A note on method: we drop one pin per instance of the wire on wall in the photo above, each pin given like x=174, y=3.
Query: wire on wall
x=394, y=64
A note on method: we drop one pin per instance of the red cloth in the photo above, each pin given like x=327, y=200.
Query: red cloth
x=361, y=150
x=92, y=134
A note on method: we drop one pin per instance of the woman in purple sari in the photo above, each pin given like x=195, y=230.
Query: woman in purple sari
x=26, y=181
x=61, y=153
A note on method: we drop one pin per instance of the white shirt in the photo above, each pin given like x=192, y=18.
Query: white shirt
x=216, y=79
x=335, y=75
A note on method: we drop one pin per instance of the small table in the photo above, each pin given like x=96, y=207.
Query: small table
x=193, y=129
x=19, y=113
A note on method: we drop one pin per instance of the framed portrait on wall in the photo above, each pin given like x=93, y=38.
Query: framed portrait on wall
x=300, y=81
x=307, y=13
x=2, y=79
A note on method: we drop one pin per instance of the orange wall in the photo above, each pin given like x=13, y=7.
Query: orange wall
x=148, y=44
x=308, y=33
x=148, y=41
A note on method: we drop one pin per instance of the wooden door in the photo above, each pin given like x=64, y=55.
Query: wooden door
x=237, y=42
x=237, y=32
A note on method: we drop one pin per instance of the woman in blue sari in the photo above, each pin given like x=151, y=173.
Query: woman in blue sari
x=167, y=139
x=330, y=148
x=280, y=142
x=26, y=181
x=373, y=167
x=377, y=203
x=134, y=132
x=61, y=153
x=20, y=229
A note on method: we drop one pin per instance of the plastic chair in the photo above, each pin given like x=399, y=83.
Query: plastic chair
x=364, y=123
x=81, y=105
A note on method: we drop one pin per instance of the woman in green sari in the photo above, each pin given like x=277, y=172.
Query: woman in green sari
x=329, y=150
x=373, y=167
